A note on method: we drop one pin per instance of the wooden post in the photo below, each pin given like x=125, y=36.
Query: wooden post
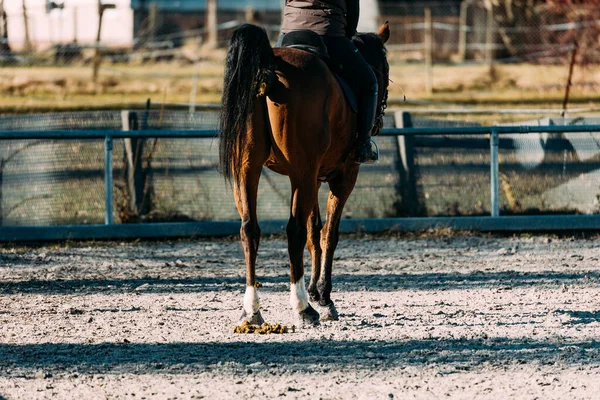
x=428, y=48
x=407, y=188
x=4, y=46
x=462, y=31
x=251, y=15
x=27, y=44
x=101, y=9
x=569, y=77
x=152, y=23
x=194, y=89
x=134, y=149
x=98, y=35
x=1, y=188
x=211, y=23
x=75, y=16
x=489, y=37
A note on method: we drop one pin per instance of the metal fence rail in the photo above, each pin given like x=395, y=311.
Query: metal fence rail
x=494, y=222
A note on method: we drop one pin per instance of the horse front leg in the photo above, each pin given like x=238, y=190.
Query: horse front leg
x=340, y=188
x=304, y=198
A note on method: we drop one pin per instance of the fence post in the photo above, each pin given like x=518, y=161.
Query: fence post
x=75, y=20
x=134, y=150
x=211, y=24
x=1, y=184
x=570, y=76
x=489, y=37
x=406, y=167
x=152, y=17
x=27, y=44
x=96, y=61
x=494, y=174
x=4, y=46
x=428, y=47
x=108, y=180
x=194, y=89
x=462, y=31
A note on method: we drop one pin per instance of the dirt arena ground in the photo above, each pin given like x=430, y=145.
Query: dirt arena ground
x=461, y=317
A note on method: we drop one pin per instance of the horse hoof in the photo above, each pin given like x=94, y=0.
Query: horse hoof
x=328, y=312
x=309, y=317
x=254, y=319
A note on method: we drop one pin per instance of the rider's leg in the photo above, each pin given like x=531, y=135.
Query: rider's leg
x=365, y=153
x=354, y=66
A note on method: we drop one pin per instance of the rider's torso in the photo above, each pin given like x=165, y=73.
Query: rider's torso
x=326, y=18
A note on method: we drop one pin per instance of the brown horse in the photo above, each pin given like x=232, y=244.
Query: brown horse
x=284, y=108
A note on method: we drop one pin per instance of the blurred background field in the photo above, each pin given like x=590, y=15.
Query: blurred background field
x=92, y=54
x=523, y=85
x=77, y=64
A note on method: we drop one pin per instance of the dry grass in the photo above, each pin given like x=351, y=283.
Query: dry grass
x=30, y=89
x=511, y=83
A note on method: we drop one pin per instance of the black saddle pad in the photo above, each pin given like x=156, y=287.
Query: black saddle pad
x=311, y=42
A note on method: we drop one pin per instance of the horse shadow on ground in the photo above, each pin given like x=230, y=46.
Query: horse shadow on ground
x=278, y=283
x=450, y=355
x=581, y=317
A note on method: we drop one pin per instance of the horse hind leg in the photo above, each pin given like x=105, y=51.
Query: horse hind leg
x=304, y=198
x=245, y=193
x=341, y=187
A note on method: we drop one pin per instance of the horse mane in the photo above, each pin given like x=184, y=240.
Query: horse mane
x=374, y=52
x=366, y=43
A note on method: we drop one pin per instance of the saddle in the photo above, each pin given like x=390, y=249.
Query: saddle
x=311, y=42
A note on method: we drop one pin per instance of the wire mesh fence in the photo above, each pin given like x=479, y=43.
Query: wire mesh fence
x=480, y=52
x=61, y=182
x=50, y=182
x=551, y=173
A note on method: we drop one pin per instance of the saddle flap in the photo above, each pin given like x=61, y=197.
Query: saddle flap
x=349, y=91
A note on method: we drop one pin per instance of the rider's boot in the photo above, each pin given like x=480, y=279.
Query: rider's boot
x=366, y=152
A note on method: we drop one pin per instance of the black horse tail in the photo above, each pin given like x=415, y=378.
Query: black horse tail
x=249, y=73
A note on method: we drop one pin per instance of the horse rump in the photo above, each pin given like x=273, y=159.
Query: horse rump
x=249, y=73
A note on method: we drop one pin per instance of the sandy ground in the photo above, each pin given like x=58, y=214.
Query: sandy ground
x=437, y=317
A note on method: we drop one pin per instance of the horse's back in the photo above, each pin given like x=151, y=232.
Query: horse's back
x=309, y=118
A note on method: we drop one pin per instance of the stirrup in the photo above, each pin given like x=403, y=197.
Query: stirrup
x=369, y=156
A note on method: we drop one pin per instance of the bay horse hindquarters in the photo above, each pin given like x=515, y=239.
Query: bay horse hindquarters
x=286, y=110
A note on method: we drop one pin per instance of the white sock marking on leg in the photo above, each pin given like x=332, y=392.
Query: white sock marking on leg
x=298, y=295
x=251, y=302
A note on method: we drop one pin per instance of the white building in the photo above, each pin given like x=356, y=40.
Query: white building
x=78, y=20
